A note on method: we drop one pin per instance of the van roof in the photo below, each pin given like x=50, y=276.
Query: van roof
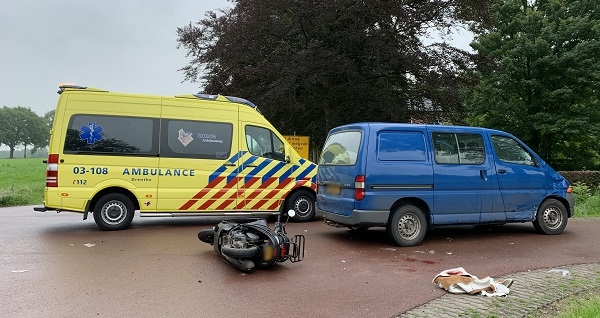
x=389, y=125
x=215, y=97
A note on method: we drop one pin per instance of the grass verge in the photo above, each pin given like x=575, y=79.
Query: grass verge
x=22, y=181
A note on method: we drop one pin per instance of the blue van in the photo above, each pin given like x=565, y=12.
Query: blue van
x=409, y=178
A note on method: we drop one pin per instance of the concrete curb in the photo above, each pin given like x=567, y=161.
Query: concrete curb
x=530, y=291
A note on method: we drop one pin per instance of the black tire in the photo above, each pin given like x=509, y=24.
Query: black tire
x=551, y=217
x=407, y=226
x=207, y=236
x=249, y=252
x=114, y=212
x=303, y=203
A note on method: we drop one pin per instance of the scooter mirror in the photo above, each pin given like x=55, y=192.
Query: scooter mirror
x=291, y=213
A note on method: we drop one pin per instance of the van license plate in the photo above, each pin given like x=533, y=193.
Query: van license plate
x=334, y=189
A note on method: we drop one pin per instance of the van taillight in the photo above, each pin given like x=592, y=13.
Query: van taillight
x=52, y=171
x=359, y=187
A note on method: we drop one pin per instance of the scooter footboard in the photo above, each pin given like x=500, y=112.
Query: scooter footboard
x=297, y=248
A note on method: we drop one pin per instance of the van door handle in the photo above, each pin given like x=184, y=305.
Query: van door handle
x=229, y=164
x=501, y=171
x=250, y=166
x=483, y=175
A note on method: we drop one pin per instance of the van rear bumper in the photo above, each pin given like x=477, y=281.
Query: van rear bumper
x=358, y=217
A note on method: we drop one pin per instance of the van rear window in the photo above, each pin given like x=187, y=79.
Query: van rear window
x=341, y=149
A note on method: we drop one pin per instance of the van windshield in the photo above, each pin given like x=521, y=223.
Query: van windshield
x=341, y=149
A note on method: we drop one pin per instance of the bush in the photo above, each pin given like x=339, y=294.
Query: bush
x=590, y=178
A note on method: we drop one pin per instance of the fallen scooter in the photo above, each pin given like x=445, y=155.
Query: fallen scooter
x=248, y=243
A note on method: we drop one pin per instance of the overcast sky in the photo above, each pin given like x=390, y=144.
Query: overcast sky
x=118, y=45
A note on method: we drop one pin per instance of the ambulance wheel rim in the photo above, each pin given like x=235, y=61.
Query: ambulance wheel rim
x=114, y=212
x=303, y=206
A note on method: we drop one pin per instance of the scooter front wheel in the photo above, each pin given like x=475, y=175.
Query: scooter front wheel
x=207, y=236
x=250, y=251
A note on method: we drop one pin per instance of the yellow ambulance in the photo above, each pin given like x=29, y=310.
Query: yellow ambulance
x=190, y=155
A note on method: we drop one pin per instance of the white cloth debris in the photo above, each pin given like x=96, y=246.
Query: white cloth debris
x=459, y=281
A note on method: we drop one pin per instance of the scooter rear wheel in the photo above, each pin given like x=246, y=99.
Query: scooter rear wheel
x=207, y=236
x=250, y=251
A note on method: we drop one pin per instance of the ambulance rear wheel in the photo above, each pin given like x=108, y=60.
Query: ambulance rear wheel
x=303, y=203
x=114, y=212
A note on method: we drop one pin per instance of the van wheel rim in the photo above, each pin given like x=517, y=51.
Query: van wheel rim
x=553, y=217
x=409, y=226
x=302, y=206
x=113, y=212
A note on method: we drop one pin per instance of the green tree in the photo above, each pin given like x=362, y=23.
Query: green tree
x=539, y=78
x=312, y=65
x=21, y=126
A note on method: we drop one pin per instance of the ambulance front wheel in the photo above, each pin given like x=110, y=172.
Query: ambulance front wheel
x=303, y=204
x=114, y=212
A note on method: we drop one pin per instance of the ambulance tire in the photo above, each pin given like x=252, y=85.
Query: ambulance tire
x=114, y=212
x=407, y=226
x=303, y=203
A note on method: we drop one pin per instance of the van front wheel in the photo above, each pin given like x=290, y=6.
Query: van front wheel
x=114, y=212
x=408, y=226
x=551, y=217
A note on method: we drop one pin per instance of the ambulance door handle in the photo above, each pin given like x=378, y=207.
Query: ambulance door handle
x=229, y=164
x=250, y=166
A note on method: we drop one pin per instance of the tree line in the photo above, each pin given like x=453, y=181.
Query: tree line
x=20, y=126
x=312, y=65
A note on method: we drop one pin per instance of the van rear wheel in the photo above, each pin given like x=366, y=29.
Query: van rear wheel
x=551, y=217
x=114, y=212
x=407, y=226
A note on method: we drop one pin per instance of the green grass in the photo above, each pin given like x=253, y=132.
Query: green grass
x=22, y=181
x=583, y=305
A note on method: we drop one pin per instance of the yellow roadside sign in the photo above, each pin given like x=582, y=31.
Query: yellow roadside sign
x=300, y=143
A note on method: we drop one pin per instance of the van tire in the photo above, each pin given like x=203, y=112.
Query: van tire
x=407, y=226
x=551, y=217
x=114, y=212
x=303, y=203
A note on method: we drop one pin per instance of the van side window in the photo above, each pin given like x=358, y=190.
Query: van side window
x=401, y=146
x=116, y=135
x=509, y=150
x=458, y=148
x=264, y=143
x=196, y=139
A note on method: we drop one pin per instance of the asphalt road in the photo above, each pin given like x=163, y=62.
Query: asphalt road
x=56, y=265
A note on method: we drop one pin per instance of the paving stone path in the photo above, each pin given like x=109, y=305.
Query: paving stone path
x=530, y=291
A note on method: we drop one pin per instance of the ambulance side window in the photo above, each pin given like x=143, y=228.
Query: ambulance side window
x=264, y=143
x=111, y=135
x=196, y=139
